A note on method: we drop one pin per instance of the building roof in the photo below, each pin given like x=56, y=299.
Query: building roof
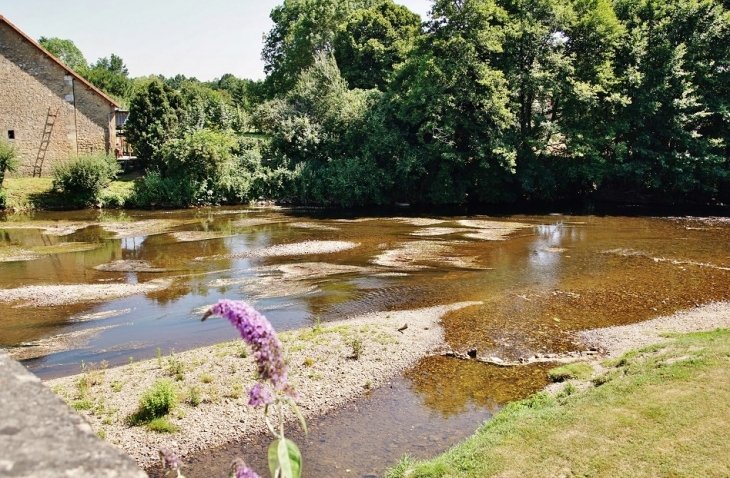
x=59, y=62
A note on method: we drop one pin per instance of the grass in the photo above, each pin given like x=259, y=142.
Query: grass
x=660, y=411
x=572, y=371
x=38, y=193
x=161, y=425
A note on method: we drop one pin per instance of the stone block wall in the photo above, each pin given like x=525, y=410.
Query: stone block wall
x=34, y=84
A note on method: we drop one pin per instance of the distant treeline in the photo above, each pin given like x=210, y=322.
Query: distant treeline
x=485, y=101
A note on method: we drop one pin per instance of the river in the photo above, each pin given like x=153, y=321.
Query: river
x=136, y=281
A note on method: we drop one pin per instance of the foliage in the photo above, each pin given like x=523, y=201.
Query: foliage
x=302, y=30
x=82, y=179
x=372, y=41
x=111, y=76
x=158, y=400
x=154, y=117
x=9, y=161
x=66, y=51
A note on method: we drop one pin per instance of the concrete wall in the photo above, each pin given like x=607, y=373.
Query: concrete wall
x=41, y=437
x=31, y=84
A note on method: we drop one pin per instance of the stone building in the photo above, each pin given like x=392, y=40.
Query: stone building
x=47, y=111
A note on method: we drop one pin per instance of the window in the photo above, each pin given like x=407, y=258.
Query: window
x=11, y=134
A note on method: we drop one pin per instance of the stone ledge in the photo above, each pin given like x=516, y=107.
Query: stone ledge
x=41, y=436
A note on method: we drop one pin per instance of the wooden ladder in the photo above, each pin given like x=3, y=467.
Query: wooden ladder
x=45, y=141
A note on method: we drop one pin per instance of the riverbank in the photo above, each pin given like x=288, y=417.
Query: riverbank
x=657, y=407
x=329, y=364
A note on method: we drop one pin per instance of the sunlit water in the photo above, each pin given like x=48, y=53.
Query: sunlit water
x=556, y=275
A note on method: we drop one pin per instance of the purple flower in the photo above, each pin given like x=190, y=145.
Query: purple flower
x=170, y=460
x=258, y=333
x=260, y=395
x=240, y=470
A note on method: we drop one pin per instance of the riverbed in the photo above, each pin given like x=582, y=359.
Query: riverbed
x=107, y=286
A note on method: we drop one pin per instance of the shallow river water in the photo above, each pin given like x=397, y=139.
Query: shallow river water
x=136, y=281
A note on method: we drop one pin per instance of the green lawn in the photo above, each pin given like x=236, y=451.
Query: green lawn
x=38, y=193
x=660, y=411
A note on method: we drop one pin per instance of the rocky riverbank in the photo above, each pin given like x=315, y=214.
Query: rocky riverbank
x=329, y=364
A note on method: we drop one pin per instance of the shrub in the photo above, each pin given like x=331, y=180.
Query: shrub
x=3, y=199
x=81, y=179
x=8, y=159
x=157, y=401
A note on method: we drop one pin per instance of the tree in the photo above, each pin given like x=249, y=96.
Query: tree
x=317, y=132
x=154, y=116
x=302, y=29
x=66, y=51
x=372, y=41
x=449, y=104
x=673, y=133
x=111, y=76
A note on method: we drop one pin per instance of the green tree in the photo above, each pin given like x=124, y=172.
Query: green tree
x=317, y=133
x=372, y=41
x=302, y=29
x=66, y=51
x=672, y=138
x=154, y=116
x=111, y=76
x=450, y=106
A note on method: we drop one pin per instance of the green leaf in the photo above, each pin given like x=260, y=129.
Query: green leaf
x=274, y=458
x=284, y=457
x=299, y=415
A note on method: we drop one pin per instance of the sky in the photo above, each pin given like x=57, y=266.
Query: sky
x=201, y=39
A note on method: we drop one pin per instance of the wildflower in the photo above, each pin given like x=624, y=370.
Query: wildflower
x=260, y=395
x=240, y=470
x=258, y=333
x=170, y=460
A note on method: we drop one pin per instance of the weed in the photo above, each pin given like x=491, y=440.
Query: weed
x=156, y=402
x=308, y=361
x=131, y=360
x=161, y=425
x=214, y=394
x=117, y=386
x=82, y=405
x=357, y=347
x=107, y=421
x=101, y=434
x=567, y=391
x=194, y=397
x=175, y=366
x=368, y=385
x=206, y=378
x=236, y=391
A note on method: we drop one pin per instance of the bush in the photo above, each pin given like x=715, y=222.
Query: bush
x=81, y=179
x=157, y=401
x=8, y=161
x=3, y=199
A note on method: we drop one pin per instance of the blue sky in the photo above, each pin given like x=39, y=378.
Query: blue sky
x=195, y=38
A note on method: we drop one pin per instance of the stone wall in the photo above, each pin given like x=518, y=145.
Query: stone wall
x=41, y=437
x=34, y=84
